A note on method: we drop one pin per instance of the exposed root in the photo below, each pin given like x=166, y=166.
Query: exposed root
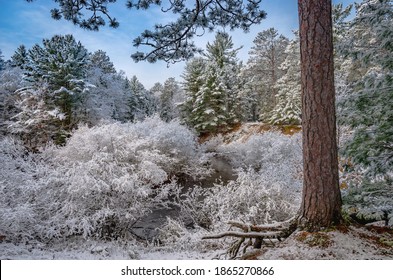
x=263, y=235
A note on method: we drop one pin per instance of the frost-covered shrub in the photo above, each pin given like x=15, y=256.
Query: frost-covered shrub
x=109, y=176
x=101, y=182
x=267, y=189
x=268, y=151
x=11, y=79
x=17, y=190
x=174, y=236
x=253, y=198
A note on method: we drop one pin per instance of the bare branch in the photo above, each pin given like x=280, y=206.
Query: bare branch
x=269, y=235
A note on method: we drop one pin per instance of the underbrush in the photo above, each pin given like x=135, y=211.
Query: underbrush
x=101, y=182
x=110, y=176
x=267, y=188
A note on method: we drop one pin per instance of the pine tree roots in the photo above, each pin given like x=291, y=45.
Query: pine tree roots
x=255, y=235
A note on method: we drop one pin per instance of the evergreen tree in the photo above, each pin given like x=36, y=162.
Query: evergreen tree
x=140, y=102
x=55, y=72
x=193, y=77
x=212, y=87
x=288, y=108
x=2, y=62
x=170, y=42
x=20, y=57
x=266, y=56
x=224, y=56
x=102, y=61
x=170, y=99
x=62, y=64
x=222, y=51
x=210, y=109
x=58, y=62
x=366, y=108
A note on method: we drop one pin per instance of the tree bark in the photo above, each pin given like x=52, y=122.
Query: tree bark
x=321, y=201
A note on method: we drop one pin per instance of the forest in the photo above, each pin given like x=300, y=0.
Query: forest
x=96, y=166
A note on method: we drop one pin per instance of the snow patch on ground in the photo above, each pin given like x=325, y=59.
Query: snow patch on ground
x=357, y=243
x=353, y=243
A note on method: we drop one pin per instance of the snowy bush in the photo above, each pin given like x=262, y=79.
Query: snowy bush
x=254, y=198
x=175, y=237
x=109, y=176
x=105, y=179
x=17, y=190
x=11, y=79
x=270, y=152
x=267, y=189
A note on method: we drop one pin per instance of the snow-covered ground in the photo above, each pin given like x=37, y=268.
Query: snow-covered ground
x=352, y=243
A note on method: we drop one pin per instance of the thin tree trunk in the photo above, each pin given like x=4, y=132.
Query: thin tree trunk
x=321, y=201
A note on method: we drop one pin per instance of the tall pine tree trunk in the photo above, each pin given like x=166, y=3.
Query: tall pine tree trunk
x=321, y=201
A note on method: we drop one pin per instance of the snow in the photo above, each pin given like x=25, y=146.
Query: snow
x=356, y=244
x=359, y=243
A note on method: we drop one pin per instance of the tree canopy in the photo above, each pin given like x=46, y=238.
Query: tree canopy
x=173, y=41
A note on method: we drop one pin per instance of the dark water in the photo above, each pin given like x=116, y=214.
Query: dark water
x=146, y=228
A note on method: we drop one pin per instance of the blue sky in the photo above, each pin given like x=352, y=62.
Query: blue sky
x=29, y=23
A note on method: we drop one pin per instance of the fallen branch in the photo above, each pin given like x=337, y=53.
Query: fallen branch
x=271, y=227
x=273, y=232
x=269, y=235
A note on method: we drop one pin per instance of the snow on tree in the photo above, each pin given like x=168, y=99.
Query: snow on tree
x=20, y=57
x=212, y=87
x=106, y=98
x=266, y=56
x=344, y=67
x=366, y=107
x=224, y=56
x=288, y=108
x=2, y=62
x=62, y=64
x=210, y=108
x=249, y=95
x=193, y=81
x=140, y=102
x=56, y=73
x=170, y=99
x=35, y=122
x=101, y=60
x=11, y=79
